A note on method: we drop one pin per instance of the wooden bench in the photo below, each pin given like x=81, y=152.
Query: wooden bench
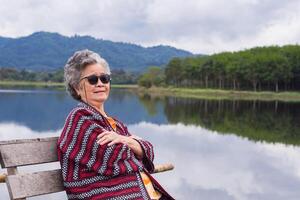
x=17, y=153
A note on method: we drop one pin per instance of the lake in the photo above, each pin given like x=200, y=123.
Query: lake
x=221, y=149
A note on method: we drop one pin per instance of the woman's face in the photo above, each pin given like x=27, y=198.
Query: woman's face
x=96, y=94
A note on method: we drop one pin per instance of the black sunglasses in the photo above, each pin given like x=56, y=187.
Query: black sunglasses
x=93, y=79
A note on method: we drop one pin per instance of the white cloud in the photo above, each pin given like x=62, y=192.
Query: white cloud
x=198, y=26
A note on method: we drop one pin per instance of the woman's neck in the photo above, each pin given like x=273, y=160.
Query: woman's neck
x=98, y=107
x=101, y=110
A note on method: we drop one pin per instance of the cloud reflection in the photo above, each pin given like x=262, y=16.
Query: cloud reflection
x=208, y=165
x=214, y=166
x=12, y=130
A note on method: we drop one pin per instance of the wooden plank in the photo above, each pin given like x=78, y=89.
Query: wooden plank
x=163, y=167
x=34, y=184
x=13, y=171
x=28, y=152
x=46, y=182
x=17, y=141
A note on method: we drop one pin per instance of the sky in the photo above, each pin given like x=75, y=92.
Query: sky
x=199, y=26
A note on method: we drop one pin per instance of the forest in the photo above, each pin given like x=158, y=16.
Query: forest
x=119, y=76
x=270, y=68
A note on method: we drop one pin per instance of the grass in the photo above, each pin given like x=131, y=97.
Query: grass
x=30, y=84
x=12, y=84
x=172, y=91
x=222, y=94
x=125, y=86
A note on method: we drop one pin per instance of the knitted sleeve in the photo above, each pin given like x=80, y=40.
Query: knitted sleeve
x=147, y=149
x=78, y=146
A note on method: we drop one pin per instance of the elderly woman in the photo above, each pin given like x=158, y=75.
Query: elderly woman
x=100, y=159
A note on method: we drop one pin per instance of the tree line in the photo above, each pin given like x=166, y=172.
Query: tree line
x=119, y=76
x=12, y=74
x=262, y=68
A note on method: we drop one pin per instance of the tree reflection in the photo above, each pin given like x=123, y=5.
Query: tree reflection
x=270, y=121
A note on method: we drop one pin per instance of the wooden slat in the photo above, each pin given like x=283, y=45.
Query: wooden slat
x=34, y=184
x=17, y=141
x=28, y=152
x=46, y=182
x=163, y=167
x=13, y=171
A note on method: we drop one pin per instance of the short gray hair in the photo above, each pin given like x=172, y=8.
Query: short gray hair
x=76, y=64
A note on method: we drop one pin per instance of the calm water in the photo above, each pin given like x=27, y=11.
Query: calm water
x=221, y=149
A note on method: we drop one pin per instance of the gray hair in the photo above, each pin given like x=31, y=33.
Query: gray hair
x=76, y=64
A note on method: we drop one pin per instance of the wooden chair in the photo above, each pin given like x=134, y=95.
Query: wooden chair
x=17, y=153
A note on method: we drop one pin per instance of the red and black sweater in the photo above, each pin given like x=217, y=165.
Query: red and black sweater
x=93, y=171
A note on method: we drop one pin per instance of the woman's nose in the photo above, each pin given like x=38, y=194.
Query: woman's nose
x=99, y=83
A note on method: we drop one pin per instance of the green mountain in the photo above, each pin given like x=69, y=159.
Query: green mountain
x=49, y=51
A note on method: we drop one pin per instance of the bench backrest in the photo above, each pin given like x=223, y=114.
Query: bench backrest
x=16, y=153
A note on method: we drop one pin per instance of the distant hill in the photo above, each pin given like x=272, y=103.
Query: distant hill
x=49, y=51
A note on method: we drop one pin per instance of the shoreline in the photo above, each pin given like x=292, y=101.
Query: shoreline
x=53, y=85
x=216, y=94
x=197, y=93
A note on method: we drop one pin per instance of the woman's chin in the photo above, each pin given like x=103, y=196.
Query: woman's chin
x=100, y=99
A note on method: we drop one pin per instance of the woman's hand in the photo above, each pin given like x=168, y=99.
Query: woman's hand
x=111, y=138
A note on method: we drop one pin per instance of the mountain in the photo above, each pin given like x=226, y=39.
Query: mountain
x=50, y=51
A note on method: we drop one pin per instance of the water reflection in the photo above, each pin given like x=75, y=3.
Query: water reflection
x=209, y=165
x=256, y=120
x=43, y=110
x=209, y=141
x=37, y=109
x=214, y=166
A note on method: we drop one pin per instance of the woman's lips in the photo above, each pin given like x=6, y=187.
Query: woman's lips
x=98, y=92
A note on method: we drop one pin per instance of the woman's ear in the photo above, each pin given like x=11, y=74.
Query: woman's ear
x=77, y=89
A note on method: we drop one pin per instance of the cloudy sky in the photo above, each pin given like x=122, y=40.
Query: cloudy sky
x=200, y=26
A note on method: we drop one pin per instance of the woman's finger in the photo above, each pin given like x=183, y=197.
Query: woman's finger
x=135, y=137
x=103, y=134
x=106, y=137
x=112, y=143
x=109, y=137
x=115, y=141
x=105, y=141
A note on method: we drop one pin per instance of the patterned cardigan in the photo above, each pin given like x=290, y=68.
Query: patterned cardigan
x=93, y=171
